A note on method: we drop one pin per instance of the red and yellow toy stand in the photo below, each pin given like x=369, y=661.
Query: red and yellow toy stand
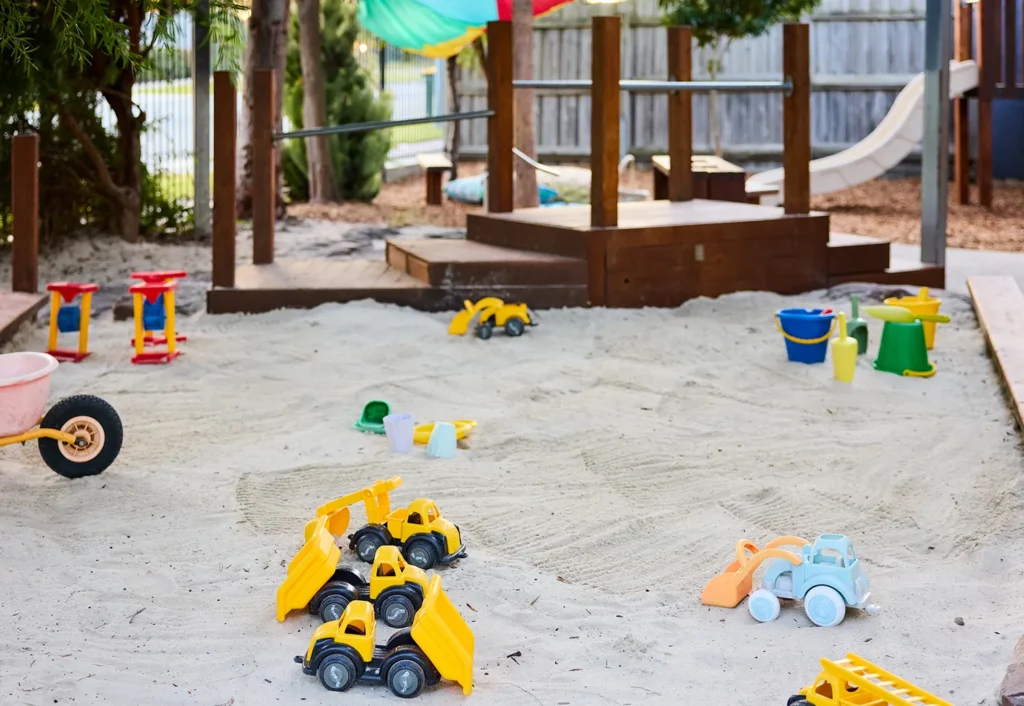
x=68, y=317
x=155, y=312
x=151, y=293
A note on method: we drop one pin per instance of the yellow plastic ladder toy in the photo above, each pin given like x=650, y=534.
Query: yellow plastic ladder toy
x=874, y=686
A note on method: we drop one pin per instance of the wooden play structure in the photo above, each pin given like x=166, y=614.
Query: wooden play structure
x=629, y=254
x=990, y=28
x=24, y=299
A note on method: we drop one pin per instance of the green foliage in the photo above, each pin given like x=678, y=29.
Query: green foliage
x=715, y=20
x=167, y=64
x=351, y=98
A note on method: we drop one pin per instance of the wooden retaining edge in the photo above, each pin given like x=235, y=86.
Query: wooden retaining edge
x=1011, y=693
x=999, y=305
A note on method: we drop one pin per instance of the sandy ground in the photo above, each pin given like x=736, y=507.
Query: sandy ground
x=620, y=455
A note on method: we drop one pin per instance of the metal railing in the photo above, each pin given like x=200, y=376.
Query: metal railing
x=641, y=86
x=382, y=124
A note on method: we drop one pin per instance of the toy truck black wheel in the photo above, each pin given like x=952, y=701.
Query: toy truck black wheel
x=332, y=607
x=331, y=600
x=396, y=610
x=797, y=701
x=367, y=541
x=406, y=670
x=514, y=326
x=421, y=553
x=337, y=672
x=97, y=428
x=484, y=331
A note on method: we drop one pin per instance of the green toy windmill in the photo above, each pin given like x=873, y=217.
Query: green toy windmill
x=902, y=350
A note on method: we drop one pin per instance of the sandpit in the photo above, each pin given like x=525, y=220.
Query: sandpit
x=620, y=455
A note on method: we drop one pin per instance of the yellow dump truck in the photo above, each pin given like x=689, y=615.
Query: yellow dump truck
x=439, y=645
x=854, y=681
x=316, y=582
x=425, y=537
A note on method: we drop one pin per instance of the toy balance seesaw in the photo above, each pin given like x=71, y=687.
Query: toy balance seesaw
x=79, y=436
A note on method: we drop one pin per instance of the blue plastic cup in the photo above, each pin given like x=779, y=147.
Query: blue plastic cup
x=806, y=332
x=442, y=443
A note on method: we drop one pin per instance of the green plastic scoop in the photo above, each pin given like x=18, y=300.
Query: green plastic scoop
x=902, y=315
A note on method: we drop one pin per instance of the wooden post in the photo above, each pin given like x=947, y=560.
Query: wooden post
x=263, y=167
x=501, y=125
x=225, y=127
x=986, y=24
x=680, y=116
x=604, y=127
x=961, y=119
x=796, y=119
x=25, y=213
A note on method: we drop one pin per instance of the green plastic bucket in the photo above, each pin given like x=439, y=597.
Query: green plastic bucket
x=903, y=350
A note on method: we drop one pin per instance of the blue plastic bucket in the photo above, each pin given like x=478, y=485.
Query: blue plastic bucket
x=806, y=332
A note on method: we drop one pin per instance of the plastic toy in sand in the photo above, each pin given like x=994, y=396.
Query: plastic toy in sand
x=68, y=314
x=857, y=327
x=493, y=312
x=903, y=350
x=806, y=332
x=79, y=436
x=854, y=681
x=149, y=293
x=825, y=575
x=425, y=537
x=317, y=583
x=921, y=304
x=421, y=435
x=154, y=313
x=844, y=353
x=372, y=421
x=440, y=645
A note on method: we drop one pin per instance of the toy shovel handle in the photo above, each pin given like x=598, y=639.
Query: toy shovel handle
x=938, y=318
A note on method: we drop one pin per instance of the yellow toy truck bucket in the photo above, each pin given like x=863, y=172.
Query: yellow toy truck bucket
x=921, y=304
x=445, y=638
x=311, y=568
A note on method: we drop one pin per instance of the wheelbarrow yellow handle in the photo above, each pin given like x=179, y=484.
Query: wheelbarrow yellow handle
x=804, y=341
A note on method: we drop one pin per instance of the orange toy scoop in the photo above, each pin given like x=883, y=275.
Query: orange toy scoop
x=729, y=588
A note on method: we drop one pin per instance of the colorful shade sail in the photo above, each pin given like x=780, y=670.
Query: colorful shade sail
x=438, y=28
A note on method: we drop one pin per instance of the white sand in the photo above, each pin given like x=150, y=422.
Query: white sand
x=623, y=451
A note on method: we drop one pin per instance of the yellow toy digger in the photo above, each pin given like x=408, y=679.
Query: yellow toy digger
x=440, y=644
x=316, y=582
x=856, y=682
x=425, y=537
x=493, y=312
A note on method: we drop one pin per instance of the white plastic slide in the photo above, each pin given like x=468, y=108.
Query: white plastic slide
x=886, y=146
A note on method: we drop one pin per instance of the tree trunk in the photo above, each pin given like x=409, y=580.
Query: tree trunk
x=267, y=48
x=320, y=166
x=456, y=106
x=525, y=137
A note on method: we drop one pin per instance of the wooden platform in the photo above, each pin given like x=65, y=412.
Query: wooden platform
x=663, y=253
x=305, y=284
x=15, y=309
x=999, y=305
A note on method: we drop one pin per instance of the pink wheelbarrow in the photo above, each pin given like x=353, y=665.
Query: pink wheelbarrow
x=79, y=436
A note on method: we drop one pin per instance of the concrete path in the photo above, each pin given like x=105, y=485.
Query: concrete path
x=960, y=264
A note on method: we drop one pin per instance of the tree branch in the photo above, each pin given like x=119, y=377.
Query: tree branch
x=102, y=171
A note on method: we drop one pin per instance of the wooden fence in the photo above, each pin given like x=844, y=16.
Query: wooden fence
x=862, y=51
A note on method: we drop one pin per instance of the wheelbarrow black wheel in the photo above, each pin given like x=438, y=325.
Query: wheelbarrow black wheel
x=514, y=327
x=97, y=428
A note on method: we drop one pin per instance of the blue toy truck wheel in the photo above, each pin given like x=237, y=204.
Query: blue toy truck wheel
x=764, y=605
x=824, y=606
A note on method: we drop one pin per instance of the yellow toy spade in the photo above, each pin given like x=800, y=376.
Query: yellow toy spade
x=844, y=353
x=902, y=315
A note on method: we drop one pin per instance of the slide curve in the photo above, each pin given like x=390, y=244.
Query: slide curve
x=887, y=145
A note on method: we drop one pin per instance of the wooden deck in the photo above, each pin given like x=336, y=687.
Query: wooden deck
x=999, y=305
x=15, y=309
x=305, y=284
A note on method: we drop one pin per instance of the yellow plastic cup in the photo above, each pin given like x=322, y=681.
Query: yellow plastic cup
x=921, y=304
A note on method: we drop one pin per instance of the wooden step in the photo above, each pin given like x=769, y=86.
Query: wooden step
x=852, y=254
x=15, y=309
x=916, y=274
x=452, y=263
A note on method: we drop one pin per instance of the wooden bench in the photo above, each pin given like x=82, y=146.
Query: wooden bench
x=713, y=178
x=16, y=308
x=999, y=305
x=434, y=166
